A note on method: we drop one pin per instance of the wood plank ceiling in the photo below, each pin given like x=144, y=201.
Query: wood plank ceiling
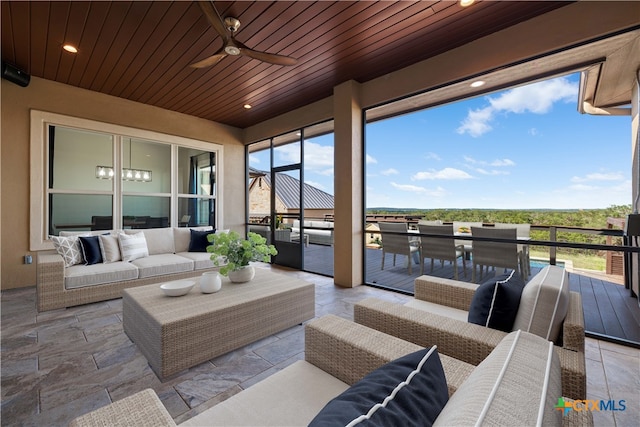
x=141, y=50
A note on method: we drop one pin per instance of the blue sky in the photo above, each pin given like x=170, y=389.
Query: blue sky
x=522, y=148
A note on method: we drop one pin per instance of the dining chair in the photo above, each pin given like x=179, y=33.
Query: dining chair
x=523, y=231
x=440, y=248
x=494, y=254
x=464, y=228
x=397, y=244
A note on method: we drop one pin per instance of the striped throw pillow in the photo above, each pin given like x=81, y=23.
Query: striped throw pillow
x=133, y=246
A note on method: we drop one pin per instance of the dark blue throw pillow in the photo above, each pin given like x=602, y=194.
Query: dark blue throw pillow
x=410, y=391
x=199, y=241
x=90, y=247
x=495, y=303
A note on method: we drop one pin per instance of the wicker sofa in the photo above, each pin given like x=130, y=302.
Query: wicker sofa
x=169, y=258
x=438, y=315
x=339, y=353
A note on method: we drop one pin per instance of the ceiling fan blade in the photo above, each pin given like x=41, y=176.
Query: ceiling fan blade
x=271, y=58
x=212, y=60
x=214, y=18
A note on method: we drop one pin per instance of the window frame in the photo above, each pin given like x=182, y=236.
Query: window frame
x=39, y=169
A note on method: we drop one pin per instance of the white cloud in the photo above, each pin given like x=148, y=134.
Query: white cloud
x=371, y=160
x=432, y=156
x=503, y=162
x=612, y=176
x=446, y=173
x=316, y=157
x=582, y=187
x=533, y=132
x=491, y=172
x=479, y=166
x=535, y=98
x=420, y=190
x=390, y=171
x=253, y=159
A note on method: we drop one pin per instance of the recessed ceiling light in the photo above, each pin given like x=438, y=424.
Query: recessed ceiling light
x=247, y=106
x=70, y=48
x=465, y=3
x=477, y=83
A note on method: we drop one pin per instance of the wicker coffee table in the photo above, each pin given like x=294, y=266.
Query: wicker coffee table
x=176, y=333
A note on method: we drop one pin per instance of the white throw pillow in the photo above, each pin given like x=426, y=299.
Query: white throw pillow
x=109, y=248
x=69, y=249
x=133, y=246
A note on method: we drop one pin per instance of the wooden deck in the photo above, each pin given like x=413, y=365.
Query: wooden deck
x=610, y=312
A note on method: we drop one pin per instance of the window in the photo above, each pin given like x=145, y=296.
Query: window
x=87, y=175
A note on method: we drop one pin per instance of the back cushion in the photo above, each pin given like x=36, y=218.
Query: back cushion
x=182, y=237
x=518, y=384
x=544, y=303
x=159, y=240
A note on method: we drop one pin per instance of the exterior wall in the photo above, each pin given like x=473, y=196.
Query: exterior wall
x=16, y=103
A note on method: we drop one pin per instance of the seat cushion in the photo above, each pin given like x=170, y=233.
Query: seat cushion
x=544, y=303
x=495, y=302
x=408, y=391
x=79, y=276
x=518, y=384
x=442, y=310
x=157, y=265
x=201, y=260
x=290, y=397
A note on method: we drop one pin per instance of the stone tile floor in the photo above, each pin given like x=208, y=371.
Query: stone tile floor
x=60, y=364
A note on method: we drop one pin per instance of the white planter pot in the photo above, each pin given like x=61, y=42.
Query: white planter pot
x=210, y=282
x=242, y=275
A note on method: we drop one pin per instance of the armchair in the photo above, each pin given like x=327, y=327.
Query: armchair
x=438, y=315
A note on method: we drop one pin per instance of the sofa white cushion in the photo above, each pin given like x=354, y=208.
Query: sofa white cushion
x=201, y=260
x=544, y=303
x=160, y=264
x=442, y=310
x=290, y=397
x=133, y=246
x=517, y=384
x=109, y=248
x=182, y=237
x=69, y=248
x=79, y=276
x=159, y=240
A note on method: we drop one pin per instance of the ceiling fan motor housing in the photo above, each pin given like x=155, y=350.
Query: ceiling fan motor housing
x=232, y=24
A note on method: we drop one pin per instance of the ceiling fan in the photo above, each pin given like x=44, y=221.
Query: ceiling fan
x=227, y=28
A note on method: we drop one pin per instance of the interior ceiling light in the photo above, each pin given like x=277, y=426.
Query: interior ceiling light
x=465, y=3
x=70, y=48
x=478, y=83
x=247, y=106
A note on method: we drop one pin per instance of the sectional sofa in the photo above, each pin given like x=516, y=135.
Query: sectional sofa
x=349, y=369
x=114, y=260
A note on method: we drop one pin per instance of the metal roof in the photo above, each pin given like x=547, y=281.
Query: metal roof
x=288, y=190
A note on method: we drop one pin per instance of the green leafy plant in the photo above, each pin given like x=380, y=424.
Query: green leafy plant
x=232, y=252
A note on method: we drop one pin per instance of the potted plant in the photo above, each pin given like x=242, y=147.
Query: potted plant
x=233, y=253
